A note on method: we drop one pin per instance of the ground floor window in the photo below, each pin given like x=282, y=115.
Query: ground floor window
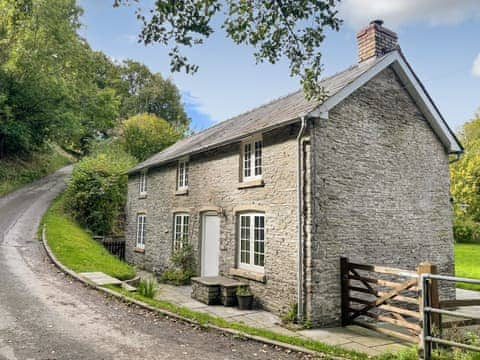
x=252, y=241
x=141, y=229
x=180, y=231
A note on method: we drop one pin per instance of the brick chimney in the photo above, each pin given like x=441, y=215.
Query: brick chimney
x=375, y=40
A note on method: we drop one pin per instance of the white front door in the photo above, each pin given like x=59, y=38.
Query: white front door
x=210, y=244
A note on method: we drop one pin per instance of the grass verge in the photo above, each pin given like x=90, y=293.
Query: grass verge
x=16, y=172
x=467, y=264
x=206, y=319
x=76, y=249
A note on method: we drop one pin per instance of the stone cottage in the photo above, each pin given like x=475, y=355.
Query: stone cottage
x=275, y=196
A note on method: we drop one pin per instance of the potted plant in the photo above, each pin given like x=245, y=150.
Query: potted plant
x=244, y=297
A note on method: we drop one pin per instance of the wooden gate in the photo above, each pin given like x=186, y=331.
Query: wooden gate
x=384, y=294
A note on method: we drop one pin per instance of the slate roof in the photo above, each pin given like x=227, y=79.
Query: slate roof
x=272, y=115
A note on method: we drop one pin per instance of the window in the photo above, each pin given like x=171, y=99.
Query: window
x=181, y=231
x=141, y=229
x=143, y=183
x=252, y=241
x=182, y=174
x=252, y=159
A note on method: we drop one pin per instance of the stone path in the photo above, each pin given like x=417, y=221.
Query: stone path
x=350, y=337
x=100, y=278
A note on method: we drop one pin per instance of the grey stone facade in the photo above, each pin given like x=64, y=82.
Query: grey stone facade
x=381, y=190
x=214, y=178
x=376, y=189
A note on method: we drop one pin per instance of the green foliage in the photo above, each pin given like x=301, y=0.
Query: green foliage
x=20, y=170
x=465, y=185
x=465, y=230
x=275, y=29
x=53, y=86
x=243, y=291
x=182, y=266
x=148, y=287
x=290, y=317
x=76, y=249
x=96, y=191
x=146, y=134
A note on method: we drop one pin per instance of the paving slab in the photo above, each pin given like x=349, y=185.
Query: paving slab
x=100, y=278
x=351, y=337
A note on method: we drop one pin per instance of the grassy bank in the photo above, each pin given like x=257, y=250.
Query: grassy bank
x=467, y=263
x=16, y=172
x=76, y=249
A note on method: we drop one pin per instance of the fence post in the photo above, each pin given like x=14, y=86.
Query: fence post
x=429, y=297
x=345, y=284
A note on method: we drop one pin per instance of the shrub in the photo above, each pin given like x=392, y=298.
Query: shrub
x=243, y=291
x=146, y=134
x=148, y=287
x=96, y=191
x=182, y=266
x=290, y=317
x=465, y=230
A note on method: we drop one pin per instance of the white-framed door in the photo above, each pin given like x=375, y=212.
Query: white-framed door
x=210, y=244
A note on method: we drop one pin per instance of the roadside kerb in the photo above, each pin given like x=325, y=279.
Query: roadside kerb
x=141, y=304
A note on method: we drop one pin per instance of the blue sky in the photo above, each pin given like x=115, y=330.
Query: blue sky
x=438, y=37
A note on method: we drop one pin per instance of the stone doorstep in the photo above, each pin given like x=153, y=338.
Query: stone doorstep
x=212, y=290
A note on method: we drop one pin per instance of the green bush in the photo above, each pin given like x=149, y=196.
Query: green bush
x=465, y=230
x=148, y=287
x=182, y=266
x=146, y=134
x=96, y=191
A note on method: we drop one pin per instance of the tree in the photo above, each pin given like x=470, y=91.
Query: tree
x=465, y=173
x=294, y=29
x=147, y=92
x=146, y=134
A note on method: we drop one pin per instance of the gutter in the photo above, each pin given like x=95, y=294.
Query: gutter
x=300, y=296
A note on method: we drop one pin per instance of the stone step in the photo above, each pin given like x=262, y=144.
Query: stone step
x=128, y=287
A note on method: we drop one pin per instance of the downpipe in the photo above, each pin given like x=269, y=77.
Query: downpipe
x=300, y=296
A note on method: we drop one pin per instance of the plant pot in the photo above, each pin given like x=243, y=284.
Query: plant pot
x=245, y=302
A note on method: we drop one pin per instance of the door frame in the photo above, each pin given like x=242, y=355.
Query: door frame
x=203, y=216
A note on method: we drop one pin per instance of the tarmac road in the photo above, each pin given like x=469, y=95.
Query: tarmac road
x=46, y=315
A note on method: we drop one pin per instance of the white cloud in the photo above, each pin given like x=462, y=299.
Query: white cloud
x=358, y=13
x=476, y=66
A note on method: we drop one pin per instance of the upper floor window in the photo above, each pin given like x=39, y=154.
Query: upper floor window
x=141, y=230
x=182, y=172
x=252, y=159
x=252, y=241
x=180, y=231
x=143, y=183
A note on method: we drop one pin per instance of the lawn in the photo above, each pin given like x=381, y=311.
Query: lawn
x=467, y=263
x=76, y=249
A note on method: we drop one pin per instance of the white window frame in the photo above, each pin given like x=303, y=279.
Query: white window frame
x=250, y=265
x=182, y=174
x=141, y=231
x=181, y=226
x=252, y=159
x=142, y=185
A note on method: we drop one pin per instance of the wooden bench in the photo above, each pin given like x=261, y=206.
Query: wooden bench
x=215, y=290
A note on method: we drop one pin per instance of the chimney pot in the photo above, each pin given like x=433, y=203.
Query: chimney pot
x=375, y=40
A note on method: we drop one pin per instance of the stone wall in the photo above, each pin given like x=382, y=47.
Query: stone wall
x=213, y=183
x=381, y=191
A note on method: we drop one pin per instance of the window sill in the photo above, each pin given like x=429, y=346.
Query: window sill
x=181, y=192
x=251, y=184
x=139, y=250
x=142, y=196
x=246, y=274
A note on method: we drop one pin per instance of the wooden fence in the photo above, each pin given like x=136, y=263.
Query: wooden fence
x=408, y=301
x=384, y=294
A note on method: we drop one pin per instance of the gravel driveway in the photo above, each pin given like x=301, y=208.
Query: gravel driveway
x=45, y=315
